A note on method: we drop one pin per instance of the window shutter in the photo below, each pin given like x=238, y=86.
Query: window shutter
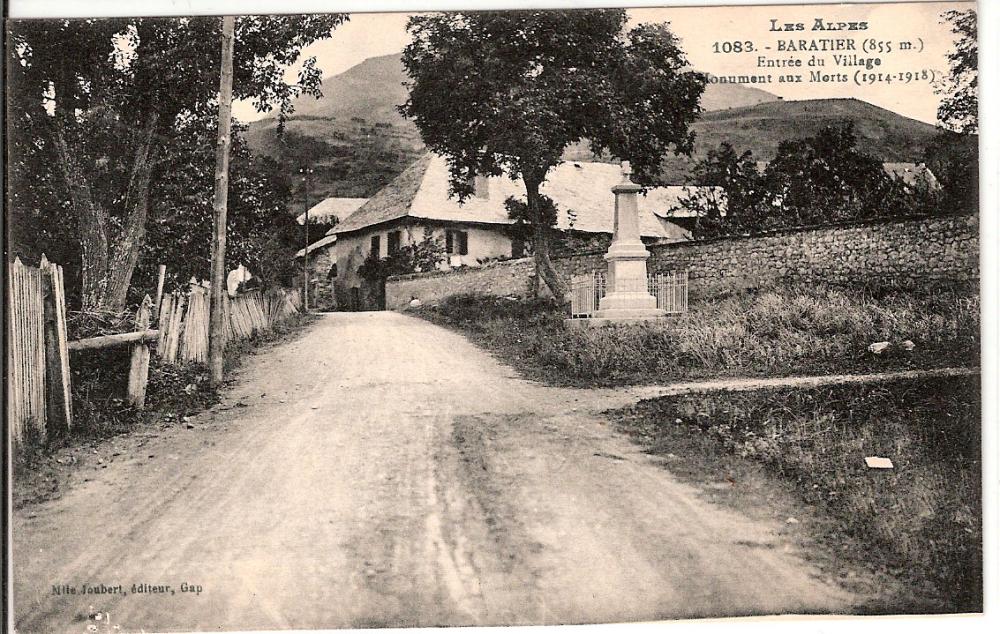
x=463, y=243
x=449, y=240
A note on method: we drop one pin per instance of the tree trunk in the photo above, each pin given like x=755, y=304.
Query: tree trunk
x=125, y=250
x=108, y=261
x=543, y=264
x=92, y=223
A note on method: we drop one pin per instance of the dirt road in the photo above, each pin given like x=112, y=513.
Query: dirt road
x=381, y=471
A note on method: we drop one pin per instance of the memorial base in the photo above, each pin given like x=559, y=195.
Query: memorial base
x=600, y=322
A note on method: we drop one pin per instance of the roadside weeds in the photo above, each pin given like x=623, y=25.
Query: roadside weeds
x=768, y=331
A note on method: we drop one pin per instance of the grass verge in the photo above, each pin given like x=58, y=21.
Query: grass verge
x=918, y=522
x=766, y=331
x=173, y=393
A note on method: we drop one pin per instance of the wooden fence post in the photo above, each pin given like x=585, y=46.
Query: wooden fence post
x=194, y=346
x=163, y=323
x=138, y=373
x=58, y=393
x=176, y=326
x=25, y=351
x=161, y=274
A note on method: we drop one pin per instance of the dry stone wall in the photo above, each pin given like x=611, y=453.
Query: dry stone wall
x=902, y=251
x=511, y=277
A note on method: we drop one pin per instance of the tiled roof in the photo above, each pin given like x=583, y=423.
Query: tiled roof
x=581, y=191
x=330, y=207
x=912, y=173
x=391, y=202
x=319, y=244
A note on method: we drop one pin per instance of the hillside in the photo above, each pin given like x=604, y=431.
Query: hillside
x=760, y=128
x=727, y=96
x=881, y=132
x=353, y=137
x=357, y=142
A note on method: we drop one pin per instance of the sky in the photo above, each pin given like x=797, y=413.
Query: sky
x=699, y=28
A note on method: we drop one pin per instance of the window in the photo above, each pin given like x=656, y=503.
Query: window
x=456, y=242
x=377, y=246
x=394, y=239
x=332, y=273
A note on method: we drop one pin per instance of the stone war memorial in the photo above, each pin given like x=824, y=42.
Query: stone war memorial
x=628, y=298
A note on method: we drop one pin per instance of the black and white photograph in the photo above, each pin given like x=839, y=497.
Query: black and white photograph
x=521, y=315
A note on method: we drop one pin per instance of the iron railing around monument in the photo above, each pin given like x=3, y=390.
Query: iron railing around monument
x=670, y=290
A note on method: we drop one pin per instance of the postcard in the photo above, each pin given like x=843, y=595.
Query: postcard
x=493, y=317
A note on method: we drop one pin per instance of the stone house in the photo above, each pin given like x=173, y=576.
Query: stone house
x=913, y=175
x=418, y=203
x=322, y=259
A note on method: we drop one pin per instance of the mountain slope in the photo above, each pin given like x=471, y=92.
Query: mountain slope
x=353, y=137
x=760, y=128
x=371, y=90
x=726, y=96
x=881, y=132
x=356, y=141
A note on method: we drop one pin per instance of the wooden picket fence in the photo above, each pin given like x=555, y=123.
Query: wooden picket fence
x=39, y=395
x=39, y=398
x=25, y=351
x=184, y=319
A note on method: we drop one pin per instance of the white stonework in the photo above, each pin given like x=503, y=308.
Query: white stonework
x=628, y=296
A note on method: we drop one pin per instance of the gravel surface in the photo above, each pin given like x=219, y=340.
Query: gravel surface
x=382, y=471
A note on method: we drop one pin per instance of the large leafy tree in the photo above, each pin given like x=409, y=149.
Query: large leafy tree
x=507, y=92
x=827, y=178
x=101, y=107
x=959, y=109
x=953, y=157
x=812, y=180
x=731, y=195
x=953, y=154
x=261, y=233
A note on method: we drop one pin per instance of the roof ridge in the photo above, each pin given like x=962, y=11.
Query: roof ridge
x=391, y=202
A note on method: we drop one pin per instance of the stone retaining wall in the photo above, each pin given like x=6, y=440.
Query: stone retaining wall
x=511, y=277
x=902, y=251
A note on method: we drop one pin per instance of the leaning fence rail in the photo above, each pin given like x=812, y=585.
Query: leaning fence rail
x=670, y=290
x=39, y=394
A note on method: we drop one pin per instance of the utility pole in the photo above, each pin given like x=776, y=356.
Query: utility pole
x=217, y=313
x=306, y=171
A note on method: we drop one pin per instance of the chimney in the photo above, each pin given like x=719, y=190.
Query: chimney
x=481, y=185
